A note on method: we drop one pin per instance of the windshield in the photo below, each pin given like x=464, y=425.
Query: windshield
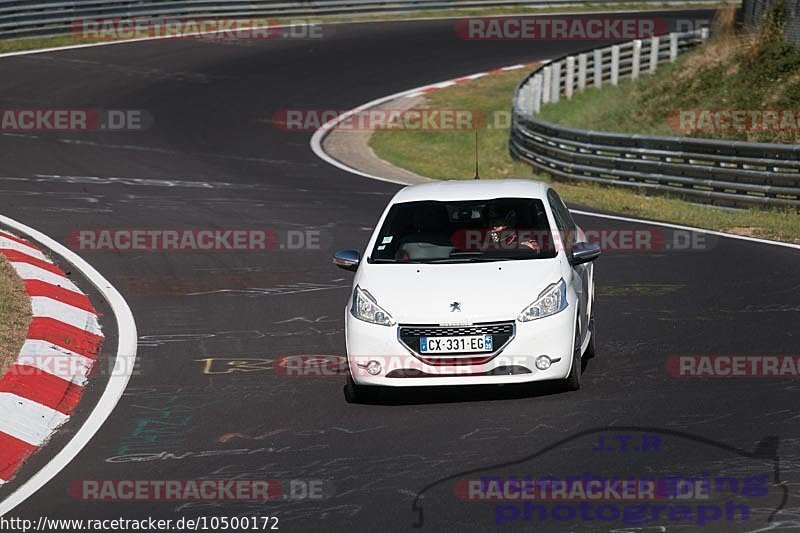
x=464, y=231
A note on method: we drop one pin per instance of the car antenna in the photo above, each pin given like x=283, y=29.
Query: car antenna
x=477, y=175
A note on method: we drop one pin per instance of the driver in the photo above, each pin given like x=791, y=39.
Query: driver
x=502, y=230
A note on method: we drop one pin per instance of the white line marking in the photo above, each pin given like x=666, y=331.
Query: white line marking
x=322, y=132
x=120, y=375
x=9, y=244
x=319, y=136
x=33, y=272
x=44, y=307
x=687, y=228
x=55, y=360
x=27, y=420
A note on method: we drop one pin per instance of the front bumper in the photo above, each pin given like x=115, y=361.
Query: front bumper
x=400, y=366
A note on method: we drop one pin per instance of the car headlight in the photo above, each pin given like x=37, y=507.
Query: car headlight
x=552, y=300
x=366, y=308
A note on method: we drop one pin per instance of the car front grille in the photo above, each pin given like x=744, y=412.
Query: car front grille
x=501, y=332
x=501, y=328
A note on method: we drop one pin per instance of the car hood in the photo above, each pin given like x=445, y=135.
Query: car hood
x=423, y=294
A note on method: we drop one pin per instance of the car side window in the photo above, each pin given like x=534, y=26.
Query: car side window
x=566, y=226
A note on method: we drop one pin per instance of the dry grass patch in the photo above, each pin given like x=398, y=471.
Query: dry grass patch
x=15, y=314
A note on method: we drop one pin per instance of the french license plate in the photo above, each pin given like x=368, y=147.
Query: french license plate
x=470, y=343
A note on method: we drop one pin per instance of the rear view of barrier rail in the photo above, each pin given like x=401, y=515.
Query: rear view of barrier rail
x=726, y=172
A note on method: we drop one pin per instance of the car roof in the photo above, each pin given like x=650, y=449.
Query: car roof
x=453, y=190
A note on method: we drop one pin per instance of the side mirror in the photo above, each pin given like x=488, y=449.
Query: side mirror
x=584, y=252
x=347, y=259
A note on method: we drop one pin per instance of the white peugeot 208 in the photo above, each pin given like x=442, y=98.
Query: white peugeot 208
x=470, y=282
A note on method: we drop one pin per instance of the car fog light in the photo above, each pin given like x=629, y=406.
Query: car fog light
x=543, y=362
x=374, y=368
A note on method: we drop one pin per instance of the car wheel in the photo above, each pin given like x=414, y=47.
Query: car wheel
x=352, y=393
x=573, y=381
x=590, y=350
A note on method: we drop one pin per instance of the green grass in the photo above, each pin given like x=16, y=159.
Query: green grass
x=450, y=155
x=35, y=43
x=734, y=72
x=18, y=45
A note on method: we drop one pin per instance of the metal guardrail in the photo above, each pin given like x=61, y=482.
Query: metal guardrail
x=725, y=172
x=42, y=18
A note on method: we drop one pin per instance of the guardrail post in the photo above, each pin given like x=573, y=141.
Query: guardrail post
x=546, y=71
x=537, y=93
x=704, y=34
x=555, y=82
x=655, y=45
x=524, y=97
x=569, y=77
x=615, y=64
x=598, y=68
x=581, y=72
x=673, y=46
x=636, y=60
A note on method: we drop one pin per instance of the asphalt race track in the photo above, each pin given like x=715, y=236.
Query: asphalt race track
x=208, y=403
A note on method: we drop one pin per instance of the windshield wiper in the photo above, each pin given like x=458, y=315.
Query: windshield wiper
x=381, y=260
x=478, y=259
x=471, y=259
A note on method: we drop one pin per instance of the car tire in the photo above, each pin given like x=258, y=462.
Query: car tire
x=591, y=350
x=353, y=393
x=573, y=380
